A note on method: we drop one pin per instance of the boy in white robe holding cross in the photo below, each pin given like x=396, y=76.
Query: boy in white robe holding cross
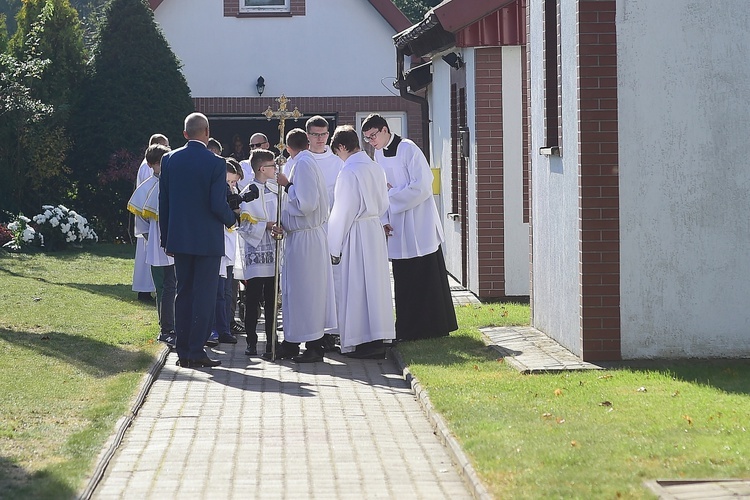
x=308, y=301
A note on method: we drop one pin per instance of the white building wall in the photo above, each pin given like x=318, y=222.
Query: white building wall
x=339, y=48
x=516, y=237
x=554, y=191
x=440, y=157
x=684, y=89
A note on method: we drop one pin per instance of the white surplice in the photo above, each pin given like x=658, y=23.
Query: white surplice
x=365, y=307
x=412, y=213
x=308, y=299
x=142, y=279
x=257, y=252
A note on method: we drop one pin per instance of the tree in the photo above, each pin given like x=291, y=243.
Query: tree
x=135, y=89
x=41, y=70
x=415, y=9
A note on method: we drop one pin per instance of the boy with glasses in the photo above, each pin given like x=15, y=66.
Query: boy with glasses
x=424, y=307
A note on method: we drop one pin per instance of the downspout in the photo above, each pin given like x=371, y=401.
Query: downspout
x=423, y=103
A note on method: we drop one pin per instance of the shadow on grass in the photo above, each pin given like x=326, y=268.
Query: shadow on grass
x=446, y=351
x=96, y=358
x=121, y=291
x=16, y=482
x=728, y=375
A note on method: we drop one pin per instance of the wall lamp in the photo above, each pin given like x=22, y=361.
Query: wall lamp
x=260, y=85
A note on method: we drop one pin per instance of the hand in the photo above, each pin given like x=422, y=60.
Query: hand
x=277, y=232
x=388, y=230
x=282, y=179
x=335, y=260
x=269, y=226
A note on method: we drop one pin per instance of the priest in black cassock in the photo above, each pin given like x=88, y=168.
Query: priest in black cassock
x=424, y=306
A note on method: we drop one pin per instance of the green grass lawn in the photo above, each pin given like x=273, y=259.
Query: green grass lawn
x=75, y=345
x=589, y=434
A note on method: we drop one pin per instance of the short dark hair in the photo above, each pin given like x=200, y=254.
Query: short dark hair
x=259, y=156
x=215, y=144
x=234, y=167
x=375, y=121
x=346, y=136
x=297, y=139
x=316, y=121
x=155, y=152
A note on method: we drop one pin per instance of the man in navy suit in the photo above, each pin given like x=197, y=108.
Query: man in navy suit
x=193, y=211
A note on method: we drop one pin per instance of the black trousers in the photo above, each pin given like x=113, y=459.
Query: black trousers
x=424, y=307
x=257, y=290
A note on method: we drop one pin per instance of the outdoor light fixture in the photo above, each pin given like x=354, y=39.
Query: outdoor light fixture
x=260, y=85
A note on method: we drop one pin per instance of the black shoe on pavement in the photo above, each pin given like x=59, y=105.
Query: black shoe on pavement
x=286, y=350
x=227, y=338
x=204, y=363
x=251, y=351
x=311, y=355
x=328, y=342
x=168, y=338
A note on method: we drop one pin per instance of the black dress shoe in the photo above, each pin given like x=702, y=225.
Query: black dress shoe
x=287, y=350
x=311, y=355
x=204, y=363
x=185, y=363
x=227, y=338
x=329, y=342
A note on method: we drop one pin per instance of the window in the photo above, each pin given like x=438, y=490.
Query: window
x=262, y=6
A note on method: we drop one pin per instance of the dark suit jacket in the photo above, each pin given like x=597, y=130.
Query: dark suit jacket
x=193, y=208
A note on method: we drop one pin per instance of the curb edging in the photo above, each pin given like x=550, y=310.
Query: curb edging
x=465, y=469
x=122, y=425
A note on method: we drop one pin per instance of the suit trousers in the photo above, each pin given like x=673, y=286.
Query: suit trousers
x=197, y=282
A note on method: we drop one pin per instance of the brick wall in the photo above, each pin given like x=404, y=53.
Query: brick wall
x=232, y=9
x=489, y=172
x=345, y=107
x=598, y=192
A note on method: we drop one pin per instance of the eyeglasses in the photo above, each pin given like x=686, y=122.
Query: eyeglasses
x=371, y=137
x=316, y=134
x=257, y=144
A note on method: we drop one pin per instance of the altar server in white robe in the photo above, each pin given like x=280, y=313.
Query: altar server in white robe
x=143, y=283
x=358, y=248
x=145, y=205
x=330, y=165
x=308, y=302
x=424, y=307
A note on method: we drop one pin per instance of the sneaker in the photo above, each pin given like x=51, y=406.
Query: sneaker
x=251, y=351
x=168, y=338
x=213, y=339
x=237, y=328
x=227, y=338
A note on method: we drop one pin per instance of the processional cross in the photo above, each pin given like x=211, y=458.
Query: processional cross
x=282, y=114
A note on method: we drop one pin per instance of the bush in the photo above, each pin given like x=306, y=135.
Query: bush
x=53, y=229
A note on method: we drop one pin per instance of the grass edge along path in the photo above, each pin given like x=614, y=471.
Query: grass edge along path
x=588, y=434
x=75, y=345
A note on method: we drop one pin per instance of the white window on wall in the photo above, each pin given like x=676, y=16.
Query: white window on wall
x=396, y=122
x=258, y=6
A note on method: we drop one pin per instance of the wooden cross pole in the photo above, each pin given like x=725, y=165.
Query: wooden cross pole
x=282, y=114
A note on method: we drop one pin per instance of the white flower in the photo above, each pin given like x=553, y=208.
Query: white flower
x=47, y=207
x=48, y=212
x=14, y=226
x=39, y=218
x=24, y=218
x=64, y=228
x=54, y=221
x=28, y=235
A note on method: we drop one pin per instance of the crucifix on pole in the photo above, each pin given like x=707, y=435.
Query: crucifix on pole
x=282, y=114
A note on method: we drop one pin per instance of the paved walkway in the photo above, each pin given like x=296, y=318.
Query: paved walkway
x=250, y=428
